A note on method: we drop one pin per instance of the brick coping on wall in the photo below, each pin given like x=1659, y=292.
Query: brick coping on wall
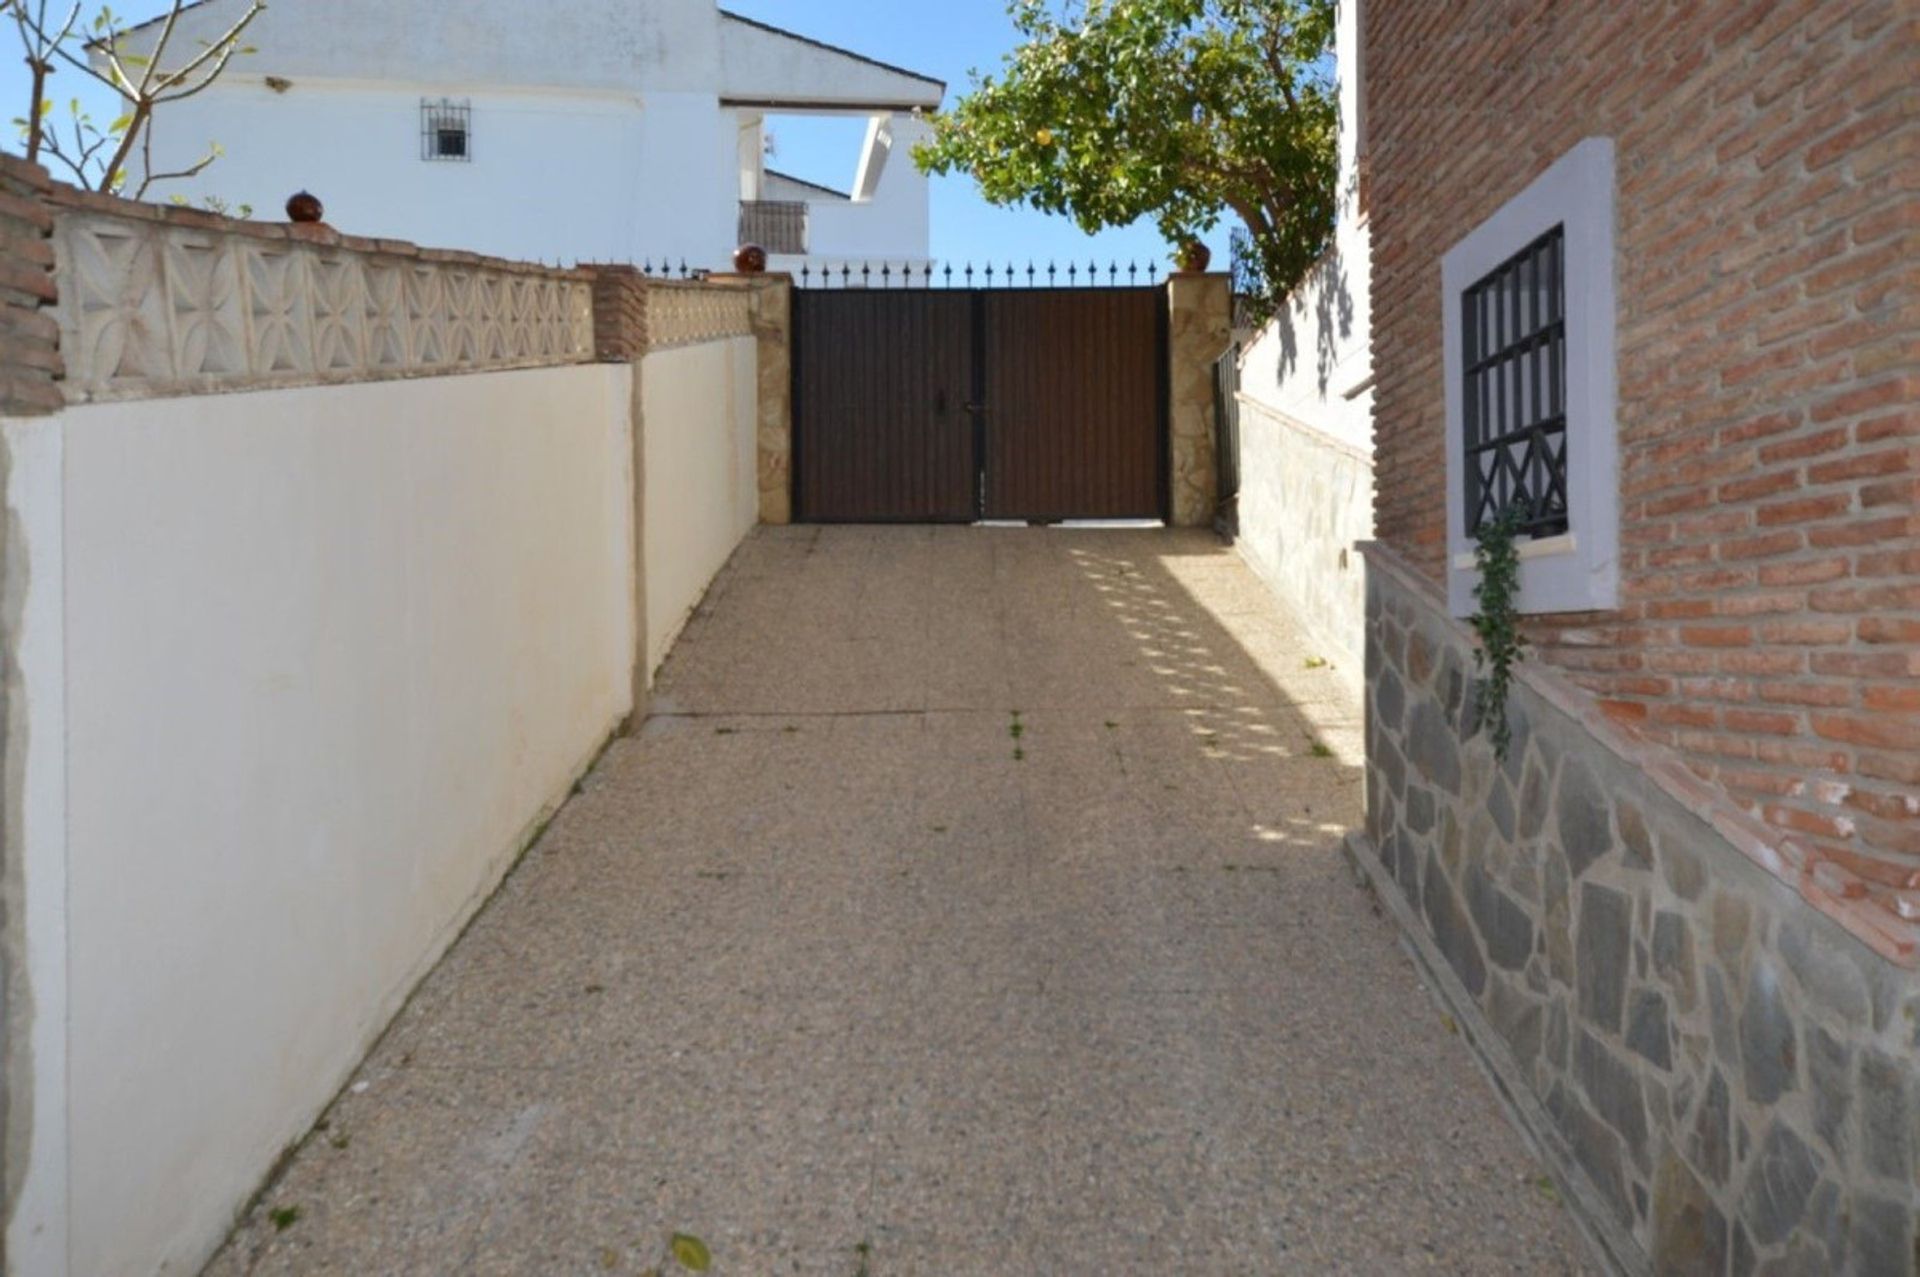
x=1833, y=889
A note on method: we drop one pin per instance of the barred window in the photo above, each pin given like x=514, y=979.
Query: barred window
x=1528, y=306
x=1514, y=383
x=446, y=130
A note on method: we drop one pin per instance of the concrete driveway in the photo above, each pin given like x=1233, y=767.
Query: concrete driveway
x=971, y=904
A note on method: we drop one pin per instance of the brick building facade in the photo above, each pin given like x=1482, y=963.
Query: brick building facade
x=1681, y=913
x=1768, y=257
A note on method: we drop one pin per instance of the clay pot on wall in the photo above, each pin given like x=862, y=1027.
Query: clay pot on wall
x=305, y=207
x=1193, y=256
x=750, y=259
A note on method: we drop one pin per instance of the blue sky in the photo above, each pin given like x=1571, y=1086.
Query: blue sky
x=946, y=39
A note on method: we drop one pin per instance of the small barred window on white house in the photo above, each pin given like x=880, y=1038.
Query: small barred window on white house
x=446, y=130
x=1514, y=381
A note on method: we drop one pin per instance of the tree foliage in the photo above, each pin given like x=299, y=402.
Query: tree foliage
x=54, y=37
x=1177, y=110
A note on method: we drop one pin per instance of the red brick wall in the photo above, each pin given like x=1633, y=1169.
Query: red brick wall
x=619, y=313
x=29, y=335
x=1769, y=364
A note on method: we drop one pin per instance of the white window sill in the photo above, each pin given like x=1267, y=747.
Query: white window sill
x=1537, y=548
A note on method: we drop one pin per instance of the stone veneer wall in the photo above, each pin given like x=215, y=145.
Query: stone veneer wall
x=1306, y=500
x=773, y=330
x=1729, y=1080
x=1200, y=326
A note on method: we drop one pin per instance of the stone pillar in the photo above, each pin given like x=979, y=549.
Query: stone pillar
x=773, y=331
x=1199, y=329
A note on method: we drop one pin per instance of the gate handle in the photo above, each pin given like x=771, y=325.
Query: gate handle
x=976, y=407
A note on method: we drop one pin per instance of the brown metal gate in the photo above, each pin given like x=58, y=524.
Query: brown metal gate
x=936, y=405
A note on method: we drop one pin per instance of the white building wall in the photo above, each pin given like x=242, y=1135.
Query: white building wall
x=670, y=46
x=308, y=666
x=554, y=176
x=700, y=409
x=599, y=130
x=1306, y=445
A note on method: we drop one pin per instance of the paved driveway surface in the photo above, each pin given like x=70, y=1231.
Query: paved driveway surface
x=972, y=904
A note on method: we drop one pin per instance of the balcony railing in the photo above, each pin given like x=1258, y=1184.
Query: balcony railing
x=779, y=226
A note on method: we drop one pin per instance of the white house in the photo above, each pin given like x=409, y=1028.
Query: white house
x=590, y=130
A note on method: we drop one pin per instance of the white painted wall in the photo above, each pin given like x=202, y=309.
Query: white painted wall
x=1312, y=362
x=305, y=669
x=661, y=45
x=1306, y=441
x=36, y=902
x=699, y=406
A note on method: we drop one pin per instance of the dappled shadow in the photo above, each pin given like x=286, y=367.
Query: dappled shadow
x=978, y=895
x=1322, y=306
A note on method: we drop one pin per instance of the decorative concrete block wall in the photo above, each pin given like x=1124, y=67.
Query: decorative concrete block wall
x=169, y=301
x=686, y=313
x=1729, y=1078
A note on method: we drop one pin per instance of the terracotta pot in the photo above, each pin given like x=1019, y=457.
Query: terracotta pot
x=750, y=259
x=1194, y=256
x=305, y=207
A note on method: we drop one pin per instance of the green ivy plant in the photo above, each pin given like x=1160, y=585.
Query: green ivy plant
x=1497, y=556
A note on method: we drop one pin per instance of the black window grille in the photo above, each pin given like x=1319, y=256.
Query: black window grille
x=446, y=130
x=1514, y=322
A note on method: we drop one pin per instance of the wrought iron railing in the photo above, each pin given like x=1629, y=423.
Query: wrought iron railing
x=967, y=275
x=779, y=226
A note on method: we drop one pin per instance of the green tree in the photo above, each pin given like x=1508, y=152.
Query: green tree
x=1178, y=110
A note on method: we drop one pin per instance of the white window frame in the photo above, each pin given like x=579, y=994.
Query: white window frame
x=1578, y=571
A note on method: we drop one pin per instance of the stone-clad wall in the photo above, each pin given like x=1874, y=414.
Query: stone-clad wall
x=1736, y=1077
x=1306, y=499
x=1200, y=324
